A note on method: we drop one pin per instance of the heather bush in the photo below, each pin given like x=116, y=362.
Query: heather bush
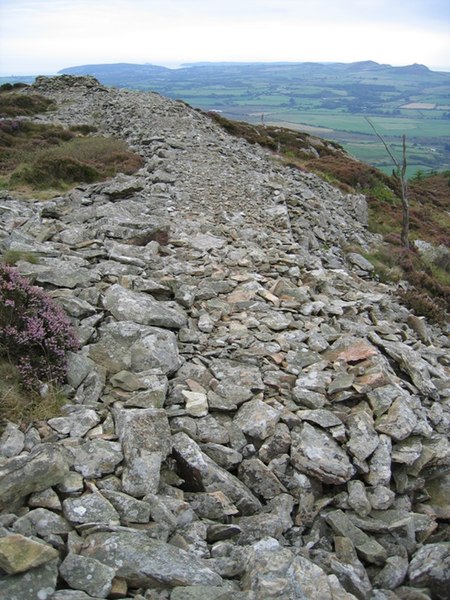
x=55, y=171
x=35, y=334
x=434, y=309
x=15, y=105
x=48, y=157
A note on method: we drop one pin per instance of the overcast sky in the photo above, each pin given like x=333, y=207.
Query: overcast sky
x=43, y=36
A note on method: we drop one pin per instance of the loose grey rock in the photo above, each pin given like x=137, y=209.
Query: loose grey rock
x=146, y=562
x=366, y=547
x=393, y=574
x=36, y=584
x=430, y=567
x=41, y=522
x=129, y=509
x=19, y=554
x=96, y=458
x=87, y=574
x=89, y=508
x=315, y=453
x=43, y=467
x=257, y=419
x=12, y=441
x=77, y=424
x=259, y=479
x=145, y=437
x=212, y=505
x=398, y=422
x=363, y=437
x=274, y=572
x=127, y=305
x=202, y=474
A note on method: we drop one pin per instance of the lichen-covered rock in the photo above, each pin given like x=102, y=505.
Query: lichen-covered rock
x=146, y=562
x=315, y=453
x=19, y=553
x=45, y=466
x=203, y=474
x=430, y=567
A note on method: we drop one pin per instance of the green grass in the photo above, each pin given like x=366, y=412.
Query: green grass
x=22, y=406
x=12, y=257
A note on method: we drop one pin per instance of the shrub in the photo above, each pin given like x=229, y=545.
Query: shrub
x=54, y=171
x=49, y=157
x=14, y=105
x=35, y=334
x=83, y=128
x=422, y=304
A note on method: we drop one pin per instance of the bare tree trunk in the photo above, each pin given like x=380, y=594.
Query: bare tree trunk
x=404, y=236
x=405, y=204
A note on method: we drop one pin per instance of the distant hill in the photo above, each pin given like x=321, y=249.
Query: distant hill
x=138, y=75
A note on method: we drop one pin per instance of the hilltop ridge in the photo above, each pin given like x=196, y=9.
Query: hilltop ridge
x=251, y=414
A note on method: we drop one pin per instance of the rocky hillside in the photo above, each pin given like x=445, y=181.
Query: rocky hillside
x=251, y=416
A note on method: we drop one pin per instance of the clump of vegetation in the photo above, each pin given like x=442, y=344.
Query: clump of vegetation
x=83, y=128
x=423, y=305
x=12, y=257
x=22, y=105
x=429, y=295
x=23, y=406
x=55, y=172
x=42, y=157
x=8, y=87
x=35, y=334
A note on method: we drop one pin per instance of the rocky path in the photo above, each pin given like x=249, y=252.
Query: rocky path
x=250, y=416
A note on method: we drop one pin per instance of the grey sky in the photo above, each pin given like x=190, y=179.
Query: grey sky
x=43, y=36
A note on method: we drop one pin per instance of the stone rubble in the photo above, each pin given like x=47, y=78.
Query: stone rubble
x=250, y=415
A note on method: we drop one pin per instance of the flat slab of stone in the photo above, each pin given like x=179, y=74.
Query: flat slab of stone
x=257, y=419
x=19, y=553
x=35, y=584
x=42, y=468
x=126, y=345
x=146, y=441
x=399, y=421
x=87, y=574
x=127, y=305
x=316, y=453
x=430, y=567
x=146, y=562
x=368, y=548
